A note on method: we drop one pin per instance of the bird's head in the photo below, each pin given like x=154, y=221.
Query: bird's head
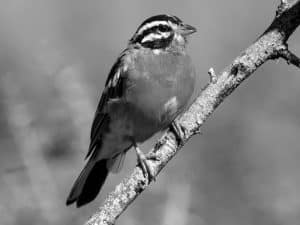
x=161, y=32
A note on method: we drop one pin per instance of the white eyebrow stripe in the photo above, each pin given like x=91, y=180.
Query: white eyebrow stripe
x=152, y=24
x=151, y=37
x=156, y=23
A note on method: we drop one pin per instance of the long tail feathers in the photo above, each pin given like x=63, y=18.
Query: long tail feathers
x=89, y=183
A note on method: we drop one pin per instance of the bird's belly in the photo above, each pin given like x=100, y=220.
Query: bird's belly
x=160, y=101
x=139, y=120
x=130, y=122
x=127, y=124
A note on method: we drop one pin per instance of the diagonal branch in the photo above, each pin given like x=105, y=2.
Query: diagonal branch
x=265, y=48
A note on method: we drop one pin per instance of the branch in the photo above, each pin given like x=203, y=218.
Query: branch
x=268, y=46
x=285, y=53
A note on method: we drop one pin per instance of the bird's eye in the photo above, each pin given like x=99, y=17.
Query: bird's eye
x=164, y=28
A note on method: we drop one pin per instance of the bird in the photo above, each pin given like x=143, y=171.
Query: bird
x=148, y=86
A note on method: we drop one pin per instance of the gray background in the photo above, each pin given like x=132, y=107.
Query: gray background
x=54, y=59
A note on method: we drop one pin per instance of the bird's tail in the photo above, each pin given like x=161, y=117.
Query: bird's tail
x=89, y=183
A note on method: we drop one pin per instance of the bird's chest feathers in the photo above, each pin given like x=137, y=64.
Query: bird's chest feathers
x=160, y=66
x=160, y=84
x=161, y=71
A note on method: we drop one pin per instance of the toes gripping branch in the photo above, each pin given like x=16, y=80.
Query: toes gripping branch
x=145, y=166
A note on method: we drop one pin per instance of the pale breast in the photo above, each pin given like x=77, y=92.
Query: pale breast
x=161, y=85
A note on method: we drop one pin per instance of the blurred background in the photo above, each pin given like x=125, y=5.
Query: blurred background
x=54, y=59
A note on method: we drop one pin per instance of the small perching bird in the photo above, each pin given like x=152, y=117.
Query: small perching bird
x=150, y=84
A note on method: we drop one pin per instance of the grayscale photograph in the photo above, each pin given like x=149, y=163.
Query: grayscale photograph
x=149, y=112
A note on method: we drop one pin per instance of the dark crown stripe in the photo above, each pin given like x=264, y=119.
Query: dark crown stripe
x=143, y=29
x=161, y=17
x=156, y=32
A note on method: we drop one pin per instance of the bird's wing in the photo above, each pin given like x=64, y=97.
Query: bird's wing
x=113, y=90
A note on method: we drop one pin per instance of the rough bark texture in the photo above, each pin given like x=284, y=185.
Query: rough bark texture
x=270, y=45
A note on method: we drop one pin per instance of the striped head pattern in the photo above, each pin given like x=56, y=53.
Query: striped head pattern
x=159, y=31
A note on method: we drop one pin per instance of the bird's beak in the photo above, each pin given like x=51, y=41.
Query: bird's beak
x=187, y=29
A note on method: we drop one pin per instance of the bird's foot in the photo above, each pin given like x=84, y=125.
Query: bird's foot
x=179, y=131
x=142, y=160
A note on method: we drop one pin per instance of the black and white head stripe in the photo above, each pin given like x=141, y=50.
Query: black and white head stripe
x=157, y=31
x=163, y=20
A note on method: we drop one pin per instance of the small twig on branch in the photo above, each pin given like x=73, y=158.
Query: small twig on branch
x=262, y=50
x=283, y=6
x=284, y=52
x=212, y=75
x=290, y=57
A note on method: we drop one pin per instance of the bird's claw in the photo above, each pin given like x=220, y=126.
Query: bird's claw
x=142, y=161
x=152, y=156
x=147, y=170
x=179, y=131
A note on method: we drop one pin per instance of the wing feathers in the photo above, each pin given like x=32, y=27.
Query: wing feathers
x=114, y=88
